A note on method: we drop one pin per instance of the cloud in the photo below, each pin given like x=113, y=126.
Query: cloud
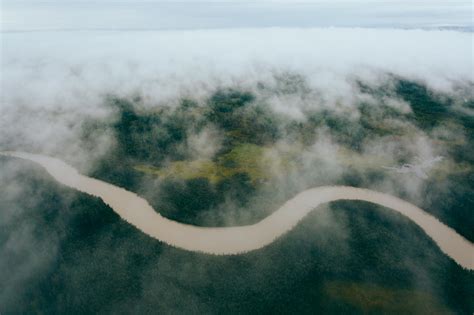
x=57, y=68
x=52, y=82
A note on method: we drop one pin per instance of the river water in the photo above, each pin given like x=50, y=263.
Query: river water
x=240, y=239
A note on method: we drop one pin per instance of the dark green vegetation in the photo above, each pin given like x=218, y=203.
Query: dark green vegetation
x=65, y=252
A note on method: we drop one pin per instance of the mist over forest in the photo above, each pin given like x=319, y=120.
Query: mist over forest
x=219, y=128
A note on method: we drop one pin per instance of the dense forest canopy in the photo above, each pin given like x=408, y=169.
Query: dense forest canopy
x=230, y=159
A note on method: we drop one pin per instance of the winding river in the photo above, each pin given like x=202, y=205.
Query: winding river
x=240, y=239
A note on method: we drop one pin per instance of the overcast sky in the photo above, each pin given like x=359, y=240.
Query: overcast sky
x=18, y=15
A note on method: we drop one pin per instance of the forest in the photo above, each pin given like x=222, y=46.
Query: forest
x=350, y=257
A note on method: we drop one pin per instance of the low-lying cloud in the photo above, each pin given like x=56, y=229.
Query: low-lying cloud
x=68, y=75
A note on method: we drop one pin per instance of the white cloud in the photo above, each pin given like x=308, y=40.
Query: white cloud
x=57, y=69
x=70, y=75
